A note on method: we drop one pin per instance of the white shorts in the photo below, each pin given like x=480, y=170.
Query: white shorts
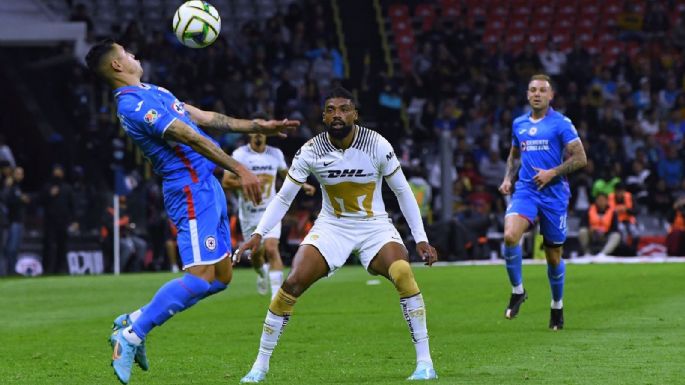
x=337, y=239
x=249, y=228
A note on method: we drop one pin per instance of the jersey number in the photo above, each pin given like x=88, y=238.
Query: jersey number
x=351, y=197
x=266, y=181
x=562, y=222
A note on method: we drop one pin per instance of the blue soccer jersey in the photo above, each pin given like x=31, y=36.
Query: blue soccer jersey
x=145, y=112
x=542, y=146
x=193, y=197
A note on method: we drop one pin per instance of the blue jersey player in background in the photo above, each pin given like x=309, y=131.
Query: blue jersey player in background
x=167, y=132
x=539, y=140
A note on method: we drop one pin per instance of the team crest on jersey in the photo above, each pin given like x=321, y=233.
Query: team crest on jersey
x=533, y=130
x=210, y=243
x=151, y=116
x=178, y=107
x=163, y=89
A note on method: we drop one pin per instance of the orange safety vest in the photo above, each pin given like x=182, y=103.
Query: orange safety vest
x=600, y=222
x=678, y=222
x=622, y=209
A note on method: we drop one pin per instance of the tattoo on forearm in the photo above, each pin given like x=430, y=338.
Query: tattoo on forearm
x=513, y=166
x=576, y=160
x=221, y=121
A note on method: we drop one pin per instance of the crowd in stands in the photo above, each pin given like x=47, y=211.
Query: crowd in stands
x=629, y=113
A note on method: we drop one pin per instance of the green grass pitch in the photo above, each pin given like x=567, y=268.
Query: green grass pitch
x=625, y=324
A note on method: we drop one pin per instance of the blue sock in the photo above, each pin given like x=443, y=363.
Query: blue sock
x=175, y=296
x=513, y=258
x=556, y=279
x=215, y=287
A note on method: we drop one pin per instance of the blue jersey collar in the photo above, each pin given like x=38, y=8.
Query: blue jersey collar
x=127, y=89
x=549, y=111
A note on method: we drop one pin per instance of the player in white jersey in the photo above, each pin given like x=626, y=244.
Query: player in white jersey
x=350, y=162
x=266, y=162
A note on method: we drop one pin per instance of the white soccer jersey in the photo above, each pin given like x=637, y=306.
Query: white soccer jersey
x=350, y=179
x=265, y=166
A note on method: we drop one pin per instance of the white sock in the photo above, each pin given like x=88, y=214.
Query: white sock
x=558, y=304
x=276, y=280
x=518, y=289
x=264, y=270
x=134, y=315
x=414, y=313
x=273, y=327
x=131, y=336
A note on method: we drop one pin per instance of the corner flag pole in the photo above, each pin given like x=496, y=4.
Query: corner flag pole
x=116, y=236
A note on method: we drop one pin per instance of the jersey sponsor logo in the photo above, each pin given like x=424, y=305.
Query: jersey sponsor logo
x=178, y=107
x=533, y=130
x=535, y=145
x=357, y=173
x=151, y=116
x=210, y=243
x=261, y=168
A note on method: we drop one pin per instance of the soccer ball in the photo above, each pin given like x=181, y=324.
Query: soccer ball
x=196, y=24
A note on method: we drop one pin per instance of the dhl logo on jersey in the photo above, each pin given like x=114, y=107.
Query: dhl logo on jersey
x=355, y=173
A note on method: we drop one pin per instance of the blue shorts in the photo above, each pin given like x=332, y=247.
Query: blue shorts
x=551, y=213
x=200, y=214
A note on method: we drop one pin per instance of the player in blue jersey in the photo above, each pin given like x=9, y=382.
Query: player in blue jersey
x=540, y=139
x=167, y=132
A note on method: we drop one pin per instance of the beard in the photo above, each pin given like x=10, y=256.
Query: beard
x=339, y=133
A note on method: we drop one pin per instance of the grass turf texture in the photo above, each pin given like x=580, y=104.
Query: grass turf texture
x=624, y=325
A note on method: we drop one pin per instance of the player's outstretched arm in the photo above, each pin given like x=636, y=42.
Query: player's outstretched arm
x=513, y=166
x=226, y=123
x=410, y=209
x=183, y=133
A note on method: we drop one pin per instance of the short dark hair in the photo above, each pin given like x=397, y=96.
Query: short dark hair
x=96, y=53
x=340, y=92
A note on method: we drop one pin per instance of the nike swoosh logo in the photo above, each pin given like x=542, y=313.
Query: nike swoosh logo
x=326, y=164
x=521, y=132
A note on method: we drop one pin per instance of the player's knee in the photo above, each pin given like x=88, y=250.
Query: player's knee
x=403, y=278
x=511, y=237
x=271, y=251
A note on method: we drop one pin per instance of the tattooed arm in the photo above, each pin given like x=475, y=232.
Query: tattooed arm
x=576, y=158
x=513, y=166
x=222, y=122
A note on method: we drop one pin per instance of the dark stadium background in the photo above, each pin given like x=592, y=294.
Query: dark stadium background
x=440, y=79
